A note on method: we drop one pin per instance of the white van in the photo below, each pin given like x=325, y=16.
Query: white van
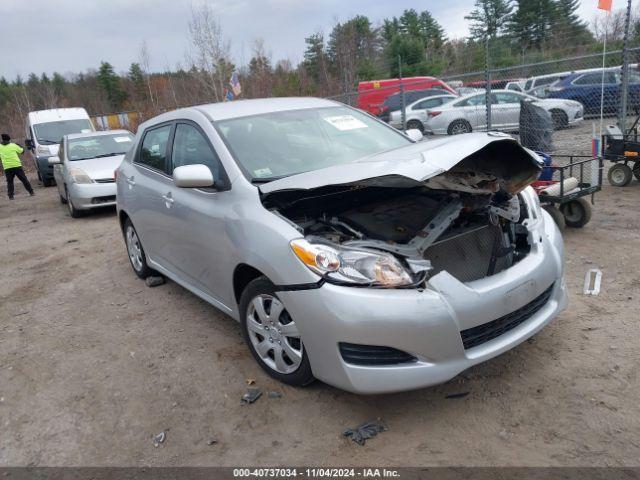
x=45, y=129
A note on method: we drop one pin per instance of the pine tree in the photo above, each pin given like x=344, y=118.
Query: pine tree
x=136, y=76
x=489, y=17
x=110, y=83
x=315, y=57
x=532, y=21
x=568, y=24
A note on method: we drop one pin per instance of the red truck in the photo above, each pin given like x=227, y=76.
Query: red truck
x=372, y=94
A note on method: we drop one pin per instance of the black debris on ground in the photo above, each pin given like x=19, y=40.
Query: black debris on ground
x=251, y=395
x=457, y=395
x=364, y=432
x=212, y=441
x=154, y=281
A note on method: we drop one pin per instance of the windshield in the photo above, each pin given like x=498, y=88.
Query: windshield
x=52, y=132
x=280, y=144
x=100, y=146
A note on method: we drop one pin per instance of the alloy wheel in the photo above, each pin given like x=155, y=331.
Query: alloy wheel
x=134, y=249
x=273, y=334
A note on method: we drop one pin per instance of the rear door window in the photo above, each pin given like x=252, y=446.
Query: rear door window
x=153, y=151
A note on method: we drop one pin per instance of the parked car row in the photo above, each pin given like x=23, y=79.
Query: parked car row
x=348, y=251
x=81, y=161
x=451, y=115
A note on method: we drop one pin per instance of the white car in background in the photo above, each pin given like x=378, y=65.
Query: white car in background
x=416, y=112
x=469, y=113
x=84, y=168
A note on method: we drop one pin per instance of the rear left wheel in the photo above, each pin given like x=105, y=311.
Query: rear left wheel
x=415, y=124
x=272, y=335
x=135, y=251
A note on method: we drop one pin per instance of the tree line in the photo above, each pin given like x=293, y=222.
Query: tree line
x=413, y=43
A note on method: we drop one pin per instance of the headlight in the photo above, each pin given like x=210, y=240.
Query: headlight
x=350, y=265
x=79, y=176
x=43, y=150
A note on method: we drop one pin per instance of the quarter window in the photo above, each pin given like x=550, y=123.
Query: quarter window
x=190, y=147
x=154, y=147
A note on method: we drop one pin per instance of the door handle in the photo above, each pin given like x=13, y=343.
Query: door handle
x=130, y=180
x=168, y=200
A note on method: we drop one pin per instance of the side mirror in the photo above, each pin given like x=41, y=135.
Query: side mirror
x=55, y=160
x=193, y=176
x=414, y=134
x=29, y=144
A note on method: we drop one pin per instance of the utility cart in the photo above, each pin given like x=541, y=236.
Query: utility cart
x=564, y=185
x=624, y=151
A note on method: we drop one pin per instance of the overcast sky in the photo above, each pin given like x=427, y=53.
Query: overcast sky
x=75, y=35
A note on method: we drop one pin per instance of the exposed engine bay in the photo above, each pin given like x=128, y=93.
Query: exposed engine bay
x=467, y=221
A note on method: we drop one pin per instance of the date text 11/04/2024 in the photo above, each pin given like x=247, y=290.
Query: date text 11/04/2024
x=316, y=472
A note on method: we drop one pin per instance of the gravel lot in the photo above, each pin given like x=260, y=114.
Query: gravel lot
x=93, y=364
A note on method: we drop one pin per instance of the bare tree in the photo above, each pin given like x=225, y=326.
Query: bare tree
x=144, y=58
x=210, y=50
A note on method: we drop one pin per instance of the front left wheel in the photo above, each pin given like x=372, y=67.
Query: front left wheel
x=272, y=335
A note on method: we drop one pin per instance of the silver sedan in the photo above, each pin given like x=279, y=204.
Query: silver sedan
x=469, y=113
x=416, y=112
x=84, y=168
x=347, y=251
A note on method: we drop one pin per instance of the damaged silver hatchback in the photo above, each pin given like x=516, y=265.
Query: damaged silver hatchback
x=347, y=251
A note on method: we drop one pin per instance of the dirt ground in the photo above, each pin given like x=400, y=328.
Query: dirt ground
x=93, y=364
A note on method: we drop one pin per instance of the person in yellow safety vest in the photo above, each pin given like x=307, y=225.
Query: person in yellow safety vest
x=12, y=165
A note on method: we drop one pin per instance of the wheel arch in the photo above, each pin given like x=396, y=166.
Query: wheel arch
x=244, y=274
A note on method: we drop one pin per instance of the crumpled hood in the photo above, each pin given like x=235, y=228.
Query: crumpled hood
x=493, y=153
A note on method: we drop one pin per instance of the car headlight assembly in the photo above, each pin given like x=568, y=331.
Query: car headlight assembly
x=43, y=151
x=350, y=266
x=79, y=176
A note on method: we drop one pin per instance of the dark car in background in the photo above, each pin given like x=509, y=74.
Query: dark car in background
x=586, y=88
x=393, y=103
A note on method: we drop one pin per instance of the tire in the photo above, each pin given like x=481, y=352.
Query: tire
x=458, y=127
x=636, y=170
x=135, y=252
x=560, y=119
x=620, y=175
x=577, y=213
x=46, y=182
x=73, y=211
x=282, y=357
x=63, y=200
x=557, y=216
x=417, y=124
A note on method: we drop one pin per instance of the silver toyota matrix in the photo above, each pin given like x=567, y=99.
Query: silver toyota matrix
x=348, y=251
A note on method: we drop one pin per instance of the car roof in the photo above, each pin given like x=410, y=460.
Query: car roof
x=57, y=114
x=446, y=95
x=245, y=108
x=74, y=136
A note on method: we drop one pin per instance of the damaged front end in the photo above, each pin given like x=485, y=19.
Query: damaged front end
x=466, y=217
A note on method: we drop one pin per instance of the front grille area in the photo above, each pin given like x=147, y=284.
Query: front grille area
x=467, y=256
x=373, y=355
x=99, y=200
x=472, y=337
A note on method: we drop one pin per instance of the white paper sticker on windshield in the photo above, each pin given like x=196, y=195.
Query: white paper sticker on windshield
x=345, y=122
x=122, y=139
x=262, y=172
